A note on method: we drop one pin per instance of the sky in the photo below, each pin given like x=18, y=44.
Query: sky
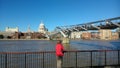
x=53, y=13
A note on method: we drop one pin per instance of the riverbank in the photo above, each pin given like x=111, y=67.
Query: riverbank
x=24, y=39
x=54, y=39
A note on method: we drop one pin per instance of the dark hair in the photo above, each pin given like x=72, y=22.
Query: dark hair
x=59, y=41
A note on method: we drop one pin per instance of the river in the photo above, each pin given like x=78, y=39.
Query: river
x=45, y=45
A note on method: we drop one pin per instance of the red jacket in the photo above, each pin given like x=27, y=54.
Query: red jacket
x=59, y=50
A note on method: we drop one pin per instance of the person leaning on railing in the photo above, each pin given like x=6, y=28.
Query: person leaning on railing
x=59, y=53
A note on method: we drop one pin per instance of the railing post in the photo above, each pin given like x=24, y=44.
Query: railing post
x=43, y=59
x=91, y=58
x=76, y=59
x=105, y=58
x=25, y=60
x=6, y=60
x=1, y=60
x=118, y=58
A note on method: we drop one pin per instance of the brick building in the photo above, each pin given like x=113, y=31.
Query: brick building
x=86, y=35
x=115, y=35
x=95, y=35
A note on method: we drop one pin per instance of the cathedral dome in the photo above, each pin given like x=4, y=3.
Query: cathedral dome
x=41, y=25
x=42, y=28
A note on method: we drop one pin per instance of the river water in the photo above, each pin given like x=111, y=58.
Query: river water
x=45, y=45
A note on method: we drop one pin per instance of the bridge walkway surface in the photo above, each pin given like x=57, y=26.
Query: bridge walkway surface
x=71, y=59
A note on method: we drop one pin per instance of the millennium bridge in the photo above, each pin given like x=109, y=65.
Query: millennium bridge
x=111, y=23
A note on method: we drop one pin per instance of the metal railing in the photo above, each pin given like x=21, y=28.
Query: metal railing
x=71, y=59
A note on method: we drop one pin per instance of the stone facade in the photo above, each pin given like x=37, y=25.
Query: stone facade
x=8, y=29
x=105, y=34
x=6, y=34
x=75, y=35
x=35, y=35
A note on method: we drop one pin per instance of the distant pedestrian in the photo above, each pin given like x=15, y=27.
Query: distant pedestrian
x=59, y=53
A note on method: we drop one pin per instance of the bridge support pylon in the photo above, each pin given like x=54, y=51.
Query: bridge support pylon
x=65, y=40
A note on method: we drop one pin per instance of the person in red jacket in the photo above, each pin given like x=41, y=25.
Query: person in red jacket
x=59, y=53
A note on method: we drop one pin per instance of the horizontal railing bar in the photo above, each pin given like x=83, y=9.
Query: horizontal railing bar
x=91, y=50
x=54, y=51
x=27, y=52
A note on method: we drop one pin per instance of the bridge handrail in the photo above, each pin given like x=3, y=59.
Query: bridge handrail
x=116, y=18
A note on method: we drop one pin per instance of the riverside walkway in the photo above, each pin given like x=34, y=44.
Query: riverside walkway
x=71, y=59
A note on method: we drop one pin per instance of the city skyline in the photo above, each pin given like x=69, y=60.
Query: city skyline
x=21, y=13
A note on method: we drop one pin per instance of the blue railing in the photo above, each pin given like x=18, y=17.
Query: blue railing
x=71, y=59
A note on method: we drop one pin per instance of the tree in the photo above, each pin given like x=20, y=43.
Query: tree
x=41, y=37
x=8, y=37
x=1, y=36
x=118, y=29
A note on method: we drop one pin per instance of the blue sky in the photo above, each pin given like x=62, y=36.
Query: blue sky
x=54, y=13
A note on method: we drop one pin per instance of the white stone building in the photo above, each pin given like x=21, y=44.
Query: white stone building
x=8, y=29
x=76, y=35
x=42, y=28
x=105, y=34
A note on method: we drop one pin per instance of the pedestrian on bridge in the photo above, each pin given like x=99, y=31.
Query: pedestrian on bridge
x=59, y=53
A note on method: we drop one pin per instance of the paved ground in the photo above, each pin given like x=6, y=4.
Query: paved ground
x=97, y=67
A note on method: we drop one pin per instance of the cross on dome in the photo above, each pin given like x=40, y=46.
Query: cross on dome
x=41, y=24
